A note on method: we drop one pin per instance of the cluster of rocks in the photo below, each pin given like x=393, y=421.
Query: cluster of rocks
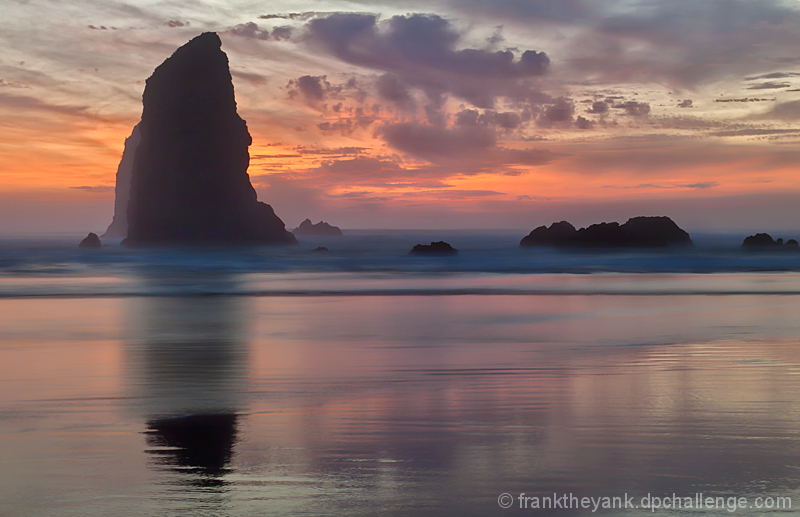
x=764, y=242
x=183, y=176
x=321, y=228
x=637, y=232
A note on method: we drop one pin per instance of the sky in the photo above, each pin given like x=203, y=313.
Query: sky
x=435, y=114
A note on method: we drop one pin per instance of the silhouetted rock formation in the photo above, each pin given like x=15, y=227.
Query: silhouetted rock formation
x=764, y=242
x=122, y=191
x=320, y=248
x=189, y=183
x=637, y=232
x=559, y=234
x=440, y=248
x=90, y=241
x=321, y=228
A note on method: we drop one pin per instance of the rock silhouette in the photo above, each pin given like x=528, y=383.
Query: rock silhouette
x=321, y=228
x=439, y=248
x=122, y=191
x=189, y=183
x=637, y=232
x=764, y=242
x=90, y=241
x=559, y=234
x=320, y=249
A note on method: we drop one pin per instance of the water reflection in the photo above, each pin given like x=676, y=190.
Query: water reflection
x=198, y=445
x=187, y=361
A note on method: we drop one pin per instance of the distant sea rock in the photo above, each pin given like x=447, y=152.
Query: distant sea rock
x=764, y=242
x=320, y=249
x=637, y=232
x=559, y=234
x=90, y=241
x=321, y=228
x=119, y=224
x=439, y=248
x=189, y=183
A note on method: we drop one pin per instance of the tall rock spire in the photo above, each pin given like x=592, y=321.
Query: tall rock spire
x=189, y=183
x=122, y=192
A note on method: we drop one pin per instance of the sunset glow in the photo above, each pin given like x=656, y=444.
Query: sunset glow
x=455, y=114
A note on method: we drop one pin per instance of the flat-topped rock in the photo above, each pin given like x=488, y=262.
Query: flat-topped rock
x=439, y=248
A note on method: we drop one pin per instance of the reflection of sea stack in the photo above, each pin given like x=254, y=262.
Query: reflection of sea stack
x=321, y=228
x=637, y=232
x=119, y=225
x=200, y=442
x=189, y=183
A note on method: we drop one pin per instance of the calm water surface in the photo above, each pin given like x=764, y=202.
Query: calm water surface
x=398, y=394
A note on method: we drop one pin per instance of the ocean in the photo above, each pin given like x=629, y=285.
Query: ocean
x=277, y=381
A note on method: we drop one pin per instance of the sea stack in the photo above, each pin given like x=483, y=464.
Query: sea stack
x=436, y=249
x=321, y=228
x=91, y=241
x=189, y=183
x=122, y=192
x=637, y=232
x=764, y=242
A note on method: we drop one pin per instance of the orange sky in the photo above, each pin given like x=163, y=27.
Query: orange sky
x=444, y=115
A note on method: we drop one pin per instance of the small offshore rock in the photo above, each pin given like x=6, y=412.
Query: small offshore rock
x=439, y=248
x=91, y=241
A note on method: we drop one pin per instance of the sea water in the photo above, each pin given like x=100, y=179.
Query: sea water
x=362, y=381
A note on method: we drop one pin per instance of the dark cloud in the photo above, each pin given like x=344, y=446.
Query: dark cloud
x=346, y=126
x=422, y=51
x=435, y=143
x=633, y=108
x=583, y=123
x=558, y=114
x=329, y=151
x=774, y=75
x=251, y=30
x=316, y=89
x=686, y=103
x=680, y=42
x=755, y=132
x=752, y=99
x=700, y=186
x=390, y=88
x=461, y=150
x=175, y=23
x=505, y=120
x=313, y=88
x=453, y=193
x=769, y=85
x=598, y=107
x=282, y=33
x=304, y=16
